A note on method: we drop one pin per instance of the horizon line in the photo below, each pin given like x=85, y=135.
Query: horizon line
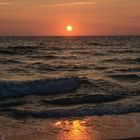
x=66, y=35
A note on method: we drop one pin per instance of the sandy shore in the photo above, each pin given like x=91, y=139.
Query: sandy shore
x=138, y=138
x=123, y=127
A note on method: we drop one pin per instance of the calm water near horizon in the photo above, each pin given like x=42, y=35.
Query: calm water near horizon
x=57, y=77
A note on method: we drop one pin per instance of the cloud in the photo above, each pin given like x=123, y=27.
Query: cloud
x=5, y=3
x=71, y=4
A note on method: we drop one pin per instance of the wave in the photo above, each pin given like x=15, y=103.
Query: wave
x=60, y=67
x=136, y=69
x=39, y=87
x=12, y=104
x=104, y=44
x=20, y=47
x=18, y=50
x=101, y=68
x=87, y=99
x=7, y=52
x=104, y=109
x=134, y=77
x=123, y=61
x=8, y=61
x=123, y=51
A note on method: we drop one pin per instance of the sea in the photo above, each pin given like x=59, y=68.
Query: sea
x=58, y=77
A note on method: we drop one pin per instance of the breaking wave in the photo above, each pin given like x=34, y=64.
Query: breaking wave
x=39, y=87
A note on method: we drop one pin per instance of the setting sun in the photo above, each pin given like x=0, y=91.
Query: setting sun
x=69, y=28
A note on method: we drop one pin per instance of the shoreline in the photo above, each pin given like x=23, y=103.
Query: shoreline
x=49, y=137
x=121, y=127
x=134, y=138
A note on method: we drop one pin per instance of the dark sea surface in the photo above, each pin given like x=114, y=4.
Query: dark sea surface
x=52, y=77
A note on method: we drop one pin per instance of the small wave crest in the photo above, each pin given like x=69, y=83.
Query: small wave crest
x=39, y=87
x=87, y=99
x=18, y=50
x=110, y=109
x=104, y=44
x=132, y=77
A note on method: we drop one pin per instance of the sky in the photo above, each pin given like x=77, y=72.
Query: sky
x=88, y=17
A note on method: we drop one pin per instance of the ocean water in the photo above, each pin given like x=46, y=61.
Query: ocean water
x=56, y=77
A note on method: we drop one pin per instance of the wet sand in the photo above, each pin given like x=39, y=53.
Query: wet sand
x=138, y=138
x=123, y=127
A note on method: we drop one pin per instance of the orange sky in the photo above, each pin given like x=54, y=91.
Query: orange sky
x=88, y=17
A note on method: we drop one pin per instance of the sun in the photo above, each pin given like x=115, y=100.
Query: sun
x=69, y=28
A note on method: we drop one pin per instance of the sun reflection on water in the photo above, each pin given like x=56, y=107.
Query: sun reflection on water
x=75, y=130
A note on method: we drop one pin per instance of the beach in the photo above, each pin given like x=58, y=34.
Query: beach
x=70, y=88
x=82, y=128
